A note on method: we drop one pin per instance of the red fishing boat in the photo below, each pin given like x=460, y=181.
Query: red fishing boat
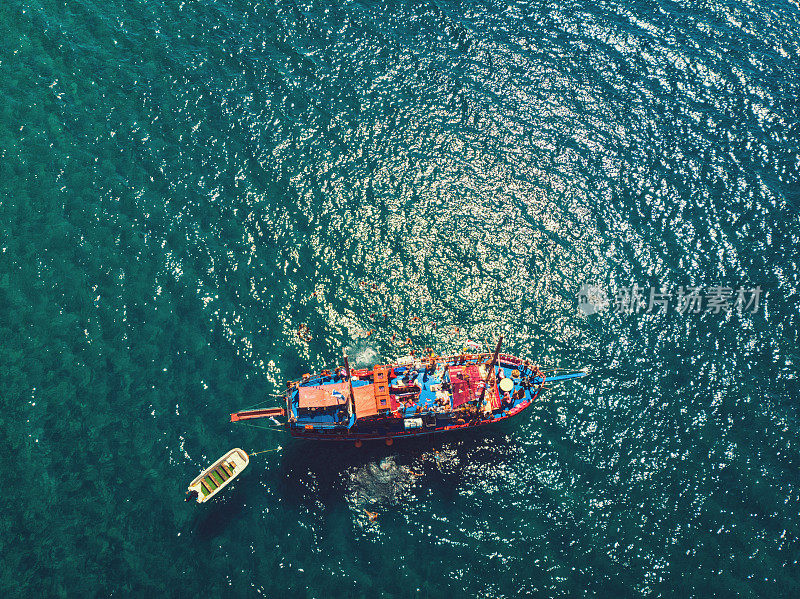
x=414, y=396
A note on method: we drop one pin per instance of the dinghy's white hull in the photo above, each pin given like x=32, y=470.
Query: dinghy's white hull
x=217, y=476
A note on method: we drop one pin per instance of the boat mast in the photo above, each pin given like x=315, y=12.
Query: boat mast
x=490, y=371
x=351, y=401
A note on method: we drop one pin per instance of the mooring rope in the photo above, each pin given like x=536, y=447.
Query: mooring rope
x=265, y=451
x=266, y=428
x=258, y=405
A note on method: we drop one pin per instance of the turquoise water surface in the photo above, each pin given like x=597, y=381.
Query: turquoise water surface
x=183, y=184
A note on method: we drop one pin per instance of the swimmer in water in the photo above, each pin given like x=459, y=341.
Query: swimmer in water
x=371, y=515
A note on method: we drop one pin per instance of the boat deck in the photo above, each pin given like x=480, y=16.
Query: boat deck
x=420, y=393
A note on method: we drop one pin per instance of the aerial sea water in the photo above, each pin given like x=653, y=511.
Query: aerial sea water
x=185, y=183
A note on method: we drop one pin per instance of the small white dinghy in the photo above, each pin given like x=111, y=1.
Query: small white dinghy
x=214, y=478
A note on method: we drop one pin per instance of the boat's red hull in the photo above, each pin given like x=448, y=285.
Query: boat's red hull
x=381, y=436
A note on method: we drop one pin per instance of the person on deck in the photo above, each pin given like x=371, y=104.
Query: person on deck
x=486, y=408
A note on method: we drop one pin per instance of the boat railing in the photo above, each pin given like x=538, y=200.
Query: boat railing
x=321, y=425
x=454, y=358
x=478, y=358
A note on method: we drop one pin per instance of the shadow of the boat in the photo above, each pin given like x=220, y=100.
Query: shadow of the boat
x=217, y=515
x=327, y=473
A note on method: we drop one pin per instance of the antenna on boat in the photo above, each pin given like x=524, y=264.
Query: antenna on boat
x=351, y=403
x=490, y=371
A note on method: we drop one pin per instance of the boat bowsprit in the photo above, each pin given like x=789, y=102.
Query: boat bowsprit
x=414, y=396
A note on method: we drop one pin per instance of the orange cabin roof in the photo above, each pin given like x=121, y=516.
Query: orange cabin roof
x=365, y=401
x=322, y=396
